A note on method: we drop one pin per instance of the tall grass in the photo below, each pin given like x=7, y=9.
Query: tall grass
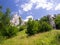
x=46, y=38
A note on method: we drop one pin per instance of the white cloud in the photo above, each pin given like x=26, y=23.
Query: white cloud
x=27, y=18
x=57, y=7
x=30, y=16
x=27, y=6
x=44, y=4
x=38, y=1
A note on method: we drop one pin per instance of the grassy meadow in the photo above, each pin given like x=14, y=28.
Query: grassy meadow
x=46, y=38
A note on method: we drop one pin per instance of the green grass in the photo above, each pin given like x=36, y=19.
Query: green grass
x=46, y=38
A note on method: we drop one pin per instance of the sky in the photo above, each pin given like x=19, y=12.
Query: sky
x=32, y=8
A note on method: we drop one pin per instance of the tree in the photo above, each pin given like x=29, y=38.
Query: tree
x=44, y=26
x=44, y=19
x=1, y=16
x=6, y=17
x=0, y=8
x=5, y=28
x=20, y=21
x=57, y=21
x=32, y=27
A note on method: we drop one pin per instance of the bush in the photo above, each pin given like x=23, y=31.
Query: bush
x=32, y=27
x=44, y=19
x=1, y=38
x=44, y=26
x=22, y=27
x=9, y=31
x=57, y=22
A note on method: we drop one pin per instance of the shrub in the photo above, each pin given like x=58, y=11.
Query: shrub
x=22, y=27
x=1, y=38
x=32, y=27
x=9, y=31
x=57, y=22
x=44, y=26
x=44, y=19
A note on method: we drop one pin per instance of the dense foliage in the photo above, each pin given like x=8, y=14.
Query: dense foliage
x=32, y=27
x=6, y=29
x=44, y=19
x=9, y=31
x=44, y=27
x=57, y=21
x=22, y=27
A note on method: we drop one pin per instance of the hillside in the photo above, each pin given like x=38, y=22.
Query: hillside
x=46, y=38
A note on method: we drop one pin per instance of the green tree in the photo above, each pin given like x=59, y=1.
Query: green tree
x=32, y=27
x=44, y=26
x=44, y=19
x=0, y=8
x=20, y=20
x=6, y=17
x=5, y=28
x=1, y=16
x=57, y=21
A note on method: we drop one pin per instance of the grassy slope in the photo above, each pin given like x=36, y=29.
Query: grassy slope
x=46, y=38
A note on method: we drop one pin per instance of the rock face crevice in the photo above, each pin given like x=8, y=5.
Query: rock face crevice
x=51, y=21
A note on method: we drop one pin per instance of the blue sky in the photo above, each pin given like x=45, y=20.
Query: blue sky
x=32, y=8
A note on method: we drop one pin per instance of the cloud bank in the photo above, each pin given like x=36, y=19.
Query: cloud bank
x=44, y=4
